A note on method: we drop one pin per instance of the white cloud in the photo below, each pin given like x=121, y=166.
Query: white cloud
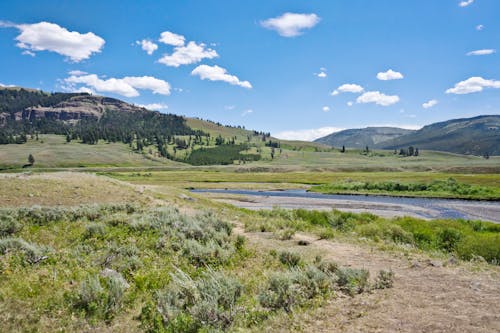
x=77, y=72
x=170, y=38
x=307, y=134
x=325, y=108
x=157, y=86
x=154, y=106
x=348, y=87
x=45, y=36
x=147, y=46
x=189, y=54
x=229, y=107
x=350, y=103
x=481, y=52
x=377, y=98
x=473, y=85
x=429, y=104
x=479, y=27
x=246, y=112
x=465, y=3
x=216, y=73
x=321, y=75
x=389, y=75
x=291, y=24
x=84, y=90
x=126, y=86
x=28, y=52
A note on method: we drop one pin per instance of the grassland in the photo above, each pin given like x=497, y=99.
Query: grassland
x=52, y=151
x=139, y=257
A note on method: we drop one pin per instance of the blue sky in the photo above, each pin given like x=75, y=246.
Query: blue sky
x=298, y=69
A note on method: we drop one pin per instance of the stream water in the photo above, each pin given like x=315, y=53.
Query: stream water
x=424, y=207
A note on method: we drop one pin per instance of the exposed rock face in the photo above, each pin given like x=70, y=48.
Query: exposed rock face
x=74, y=109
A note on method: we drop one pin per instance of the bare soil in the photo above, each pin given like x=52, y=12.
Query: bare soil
x=428, y=295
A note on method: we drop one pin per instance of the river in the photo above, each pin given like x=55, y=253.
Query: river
x=388, y=206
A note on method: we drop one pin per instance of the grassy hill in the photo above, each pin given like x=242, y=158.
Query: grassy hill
x=475, y=136
x=362, y=137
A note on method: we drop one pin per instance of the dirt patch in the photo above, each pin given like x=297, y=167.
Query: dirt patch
x=429, y=295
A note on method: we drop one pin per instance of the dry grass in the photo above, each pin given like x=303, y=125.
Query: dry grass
x=63, y=189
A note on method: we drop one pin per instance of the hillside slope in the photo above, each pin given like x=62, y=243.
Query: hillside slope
x=362, y=137
x=476, y=136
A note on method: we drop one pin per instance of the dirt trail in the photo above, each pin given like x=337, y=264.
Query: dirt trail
x=426, y=297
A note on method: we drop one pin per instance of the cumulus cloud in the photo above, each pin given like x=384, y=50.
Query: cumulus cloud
x=377, y=98
x=154, y=106
x=291, y=24
x=465, y=3
x=348, y=87
x=325, y=108
x=189, y=54
x=481, y=52
x=389, y=75
x=321, y=75
x=45, y=36
x=350, y=103
x=170, y=38
x=216, y=73
x=307, y=134
x=147, y=46
x=479, y=27
x=126, y=86
x=429, y=104
x=473, y=85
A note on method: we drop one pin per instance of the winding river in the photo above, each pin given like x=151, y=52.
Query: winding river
x=427, y=208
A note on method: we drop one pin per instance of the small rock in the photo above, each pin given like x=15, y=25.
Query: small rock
x=434, y=263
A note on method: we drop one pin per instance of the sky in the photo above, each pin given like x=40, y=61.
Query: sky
x=299, y=69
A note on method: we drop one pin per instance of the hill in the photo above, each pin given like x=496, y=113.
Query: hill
x=362, y=137
x=475, y=136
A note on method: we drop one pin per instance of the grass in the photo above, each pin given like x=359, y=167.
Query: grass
x=449, y=188
x=274, y=180
x=62, y=189
x=52, y=151
x=463, y=238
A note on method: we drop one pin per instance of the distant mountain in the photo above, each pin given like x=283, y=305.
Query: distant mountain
x=477, y=136
x=362, y=137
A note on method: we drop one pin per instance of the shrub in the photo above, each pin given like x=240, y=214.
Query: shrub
x=32, y=252
x=189, y=304
x=353, y=281
x=384, y=279
x=294, y=287
x=8, y=224
x=448, y=239
x=484, y=245
x=94, y=230
x=289, y=258
x=98, y=300
x=285, y=234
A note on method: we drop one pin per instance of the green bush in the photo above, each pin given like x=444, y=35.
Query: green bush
x=33, y=253
x=353, y=281
x=189, y=304
x=290, y=259
x=294, y=287
x=8, y=224
x=486, y=246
